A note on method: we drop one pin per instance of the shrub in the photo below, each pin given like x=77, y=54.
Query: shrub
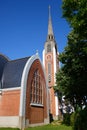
x=80, y=122
x=66, y=119
x=72, y=119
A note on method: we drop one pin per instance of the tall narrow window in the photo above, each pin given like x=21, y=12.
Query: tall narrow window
x=49, y=48
x=49, y=72
x=36, y=88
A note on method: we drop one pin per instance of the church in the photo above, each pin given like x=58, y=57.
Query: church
x=23, y=92
x=27, y=96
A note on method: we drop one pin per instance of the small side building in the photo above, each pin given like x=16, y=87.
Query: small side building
x=23, y=92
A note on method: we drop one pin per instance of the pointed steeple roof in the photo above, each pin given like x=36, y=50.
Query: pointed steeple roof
x=50, y=28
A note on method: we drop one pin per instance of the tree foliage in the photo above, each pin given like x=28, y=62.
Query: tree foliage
x=72, y=78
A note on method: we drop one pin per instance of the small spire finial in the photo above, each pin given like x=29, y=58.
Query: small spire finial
x=49, y=7
x=49, y=12
x=36, y=52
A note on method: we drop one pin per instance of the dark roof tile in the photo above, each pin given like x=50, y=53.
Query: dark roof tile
x=12, y=73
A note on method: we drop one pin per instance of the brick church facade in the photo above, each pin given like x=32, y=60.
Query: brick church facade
x=23, y=92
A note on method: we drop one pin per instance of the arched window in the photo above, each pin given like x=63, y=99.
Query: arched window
x=37, y=88
x=49, y=72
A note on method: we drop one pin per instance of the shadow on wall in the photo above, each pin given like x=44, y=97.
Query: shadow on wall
x=50, y=117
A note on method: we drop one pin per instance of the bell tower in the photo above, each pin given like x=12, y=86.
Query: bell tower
x=51, y=65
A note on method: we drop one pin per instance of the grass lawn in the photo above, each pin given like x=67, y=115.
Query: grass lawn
x=47, y=127
x=51, y=127
x=9, y=129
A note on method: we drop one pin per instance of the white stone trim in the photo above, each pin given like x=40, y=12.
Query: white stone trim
x=36, y=104
x=54, y=58
x=11, y=89
x=44, y=57
x=46, y=88
x=24, y=84
x=56, y=103
x=12, y=121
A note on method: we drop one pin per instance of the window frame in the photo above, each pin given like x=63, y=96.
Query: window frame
x=36, y=95
x=49, y=72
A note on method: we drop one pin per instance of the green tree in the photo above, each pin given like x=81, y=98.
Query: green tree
x=72, y=78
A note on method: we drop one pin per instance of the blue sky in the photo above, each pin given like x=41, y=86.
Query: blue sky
x=24, y=26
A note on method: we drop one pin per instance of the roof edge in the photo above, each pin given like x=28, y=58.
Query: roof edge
x=7, y=58
x=24, y=82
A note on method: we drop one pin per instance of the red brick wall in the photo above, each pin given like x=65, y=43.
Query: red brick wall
x=35, y=114
x=9, y=103
x=47, y=60
x=52, y=102
x=51, y=84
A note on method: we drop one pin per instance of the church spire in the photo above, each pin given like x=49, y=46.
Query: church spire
x=50, y=29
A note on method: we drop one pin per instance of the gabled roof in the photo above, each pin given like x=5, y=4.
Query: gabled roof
x=12, y=73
